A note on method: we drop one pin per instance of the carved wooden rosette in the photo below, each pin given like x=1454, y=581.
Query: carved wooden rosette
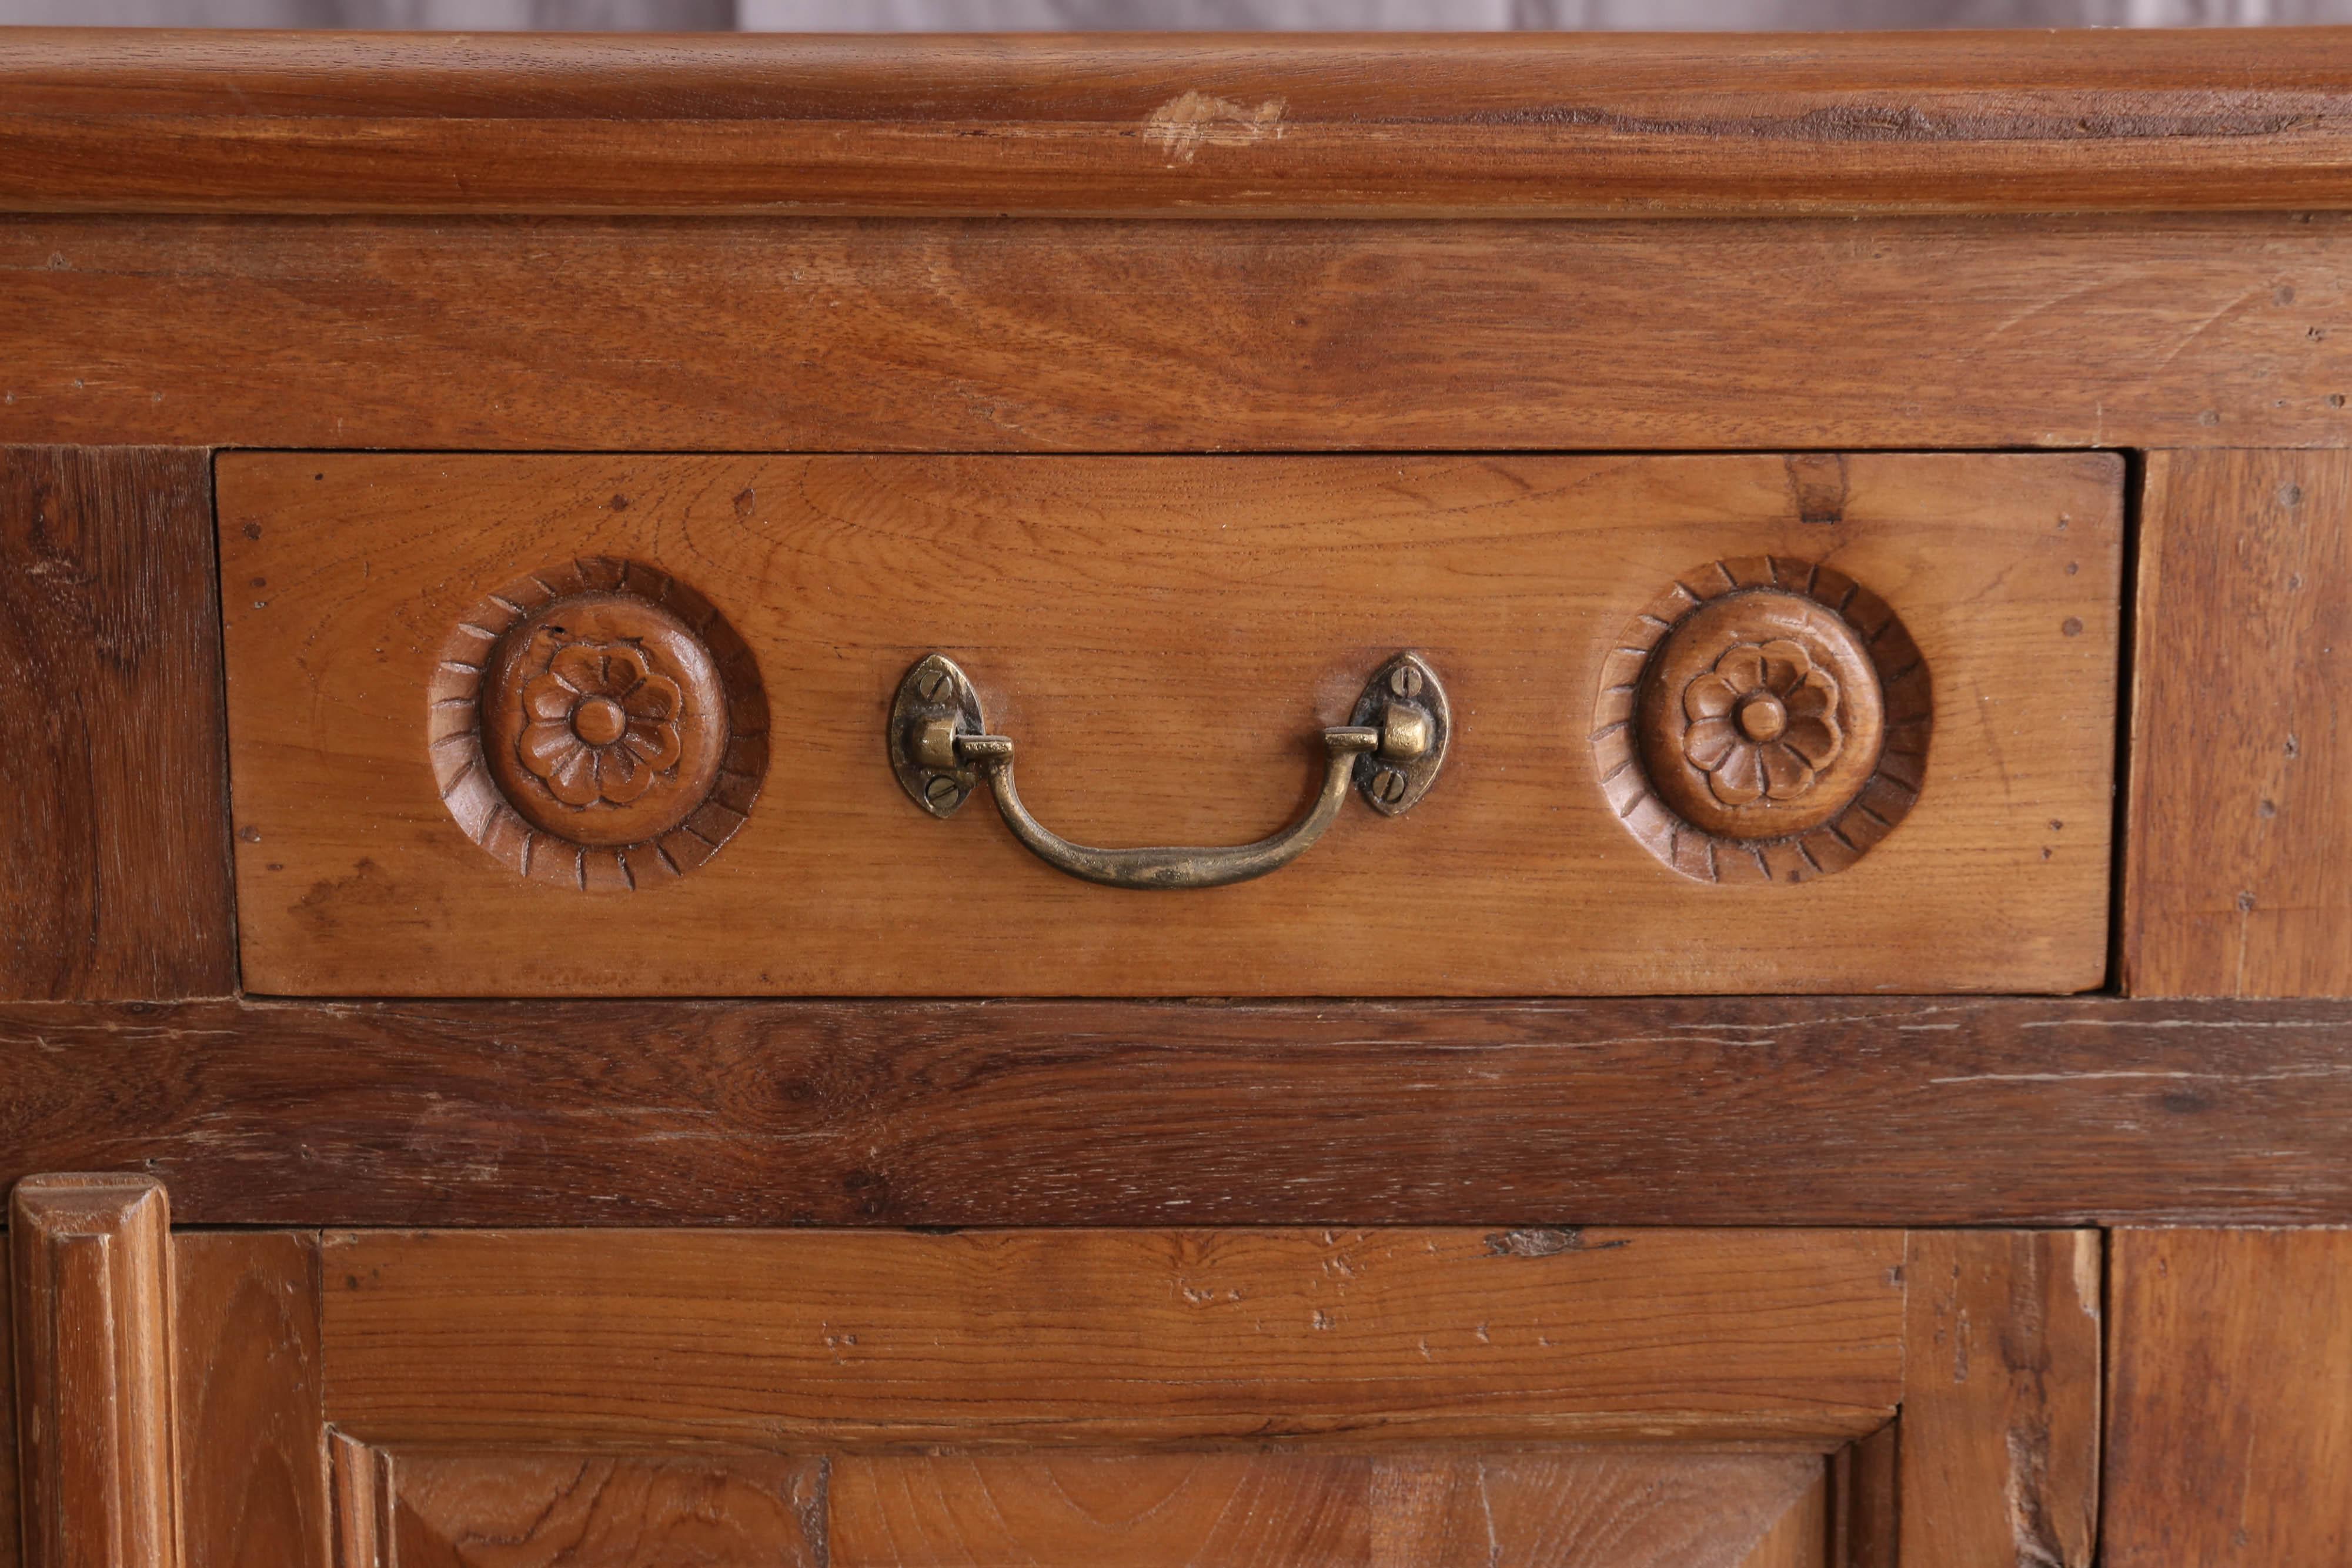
x=598, y=725
x=1764, y=719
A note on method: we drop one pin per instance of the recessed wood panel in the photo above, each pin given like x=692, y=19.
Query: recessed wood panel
x=1014, y=1339
x=1637, y=1509
x=1164, y=637
x=1627, y=1508
x=439, y=1510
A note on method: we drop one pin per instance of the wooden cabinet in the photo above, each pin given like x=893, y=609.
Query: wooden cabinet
x=1678, y=889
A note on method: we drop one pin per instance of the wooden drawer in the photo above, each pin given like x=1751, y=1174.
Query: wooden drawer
x=1712, y=723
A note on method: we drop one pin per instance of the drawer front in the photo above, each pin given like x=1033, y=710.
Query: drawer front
x=508, y=725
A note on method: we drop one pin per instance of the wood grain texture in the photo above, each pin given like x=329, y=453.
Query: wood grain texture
x=1164, y=637
x=1866, y=1504
x=115, y=842
x=2229, y=1429
x=725, y=335
x=11, y=1533
x=1024, y=1338
x=2239, y=880
x=592, y=1511
x=90, y=1272
x=1802, y=1537
x=251, y=1427
x=1632, y=1510
x=1351, y=126
x=1833, y=1111
x=2000, y=1438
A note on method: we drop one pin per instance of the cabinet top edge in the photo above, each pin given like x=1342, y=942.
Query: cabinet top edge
x=1163, y=125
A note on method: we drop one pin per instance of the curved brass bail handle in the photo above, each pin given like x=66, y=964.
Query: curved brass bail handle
x=1173, y=865
x=1392, y=751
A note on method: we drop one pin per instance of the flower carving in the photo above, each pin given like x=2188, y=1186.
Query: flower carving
x=1763, y=723
x=601, y=724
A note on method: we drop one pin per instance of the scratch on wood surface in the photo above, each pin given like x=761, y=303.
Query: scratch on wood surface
x=1817, y=482
x=2318, y=1070
x=1546, y=1241
x=2109, y=118
x=2027, y=1492
x=2088, y=1261
x=1192, y=119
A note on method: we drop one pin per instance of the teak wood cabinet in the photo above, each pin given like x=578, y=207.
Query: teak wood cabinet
x=1679, y=889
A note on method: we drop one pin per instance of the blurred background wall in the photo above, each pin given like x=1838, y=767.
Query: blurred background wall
x=989, y=15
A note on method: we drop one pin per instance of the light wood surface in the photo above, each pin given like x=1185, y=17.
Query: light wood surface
x=1163, y=638
x=2000, y=1438
x=115, y=839
x=1824, y=1111
x=1633, y=1509
x=720, y=335
x=2229, y=1429
x=1112, y=1337
x=2238, y=881
x=91, y=1273
x=1347, y=126
x=252, y=1455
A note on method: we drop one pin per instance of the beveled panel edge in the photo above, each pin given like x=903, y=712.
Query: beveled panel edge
x=91, y=1273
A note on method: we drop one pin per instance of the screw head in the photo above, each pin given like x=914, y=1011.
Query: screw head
x=942, y=790
x=1389, y=786
x=936, y=686
x=1406, y=681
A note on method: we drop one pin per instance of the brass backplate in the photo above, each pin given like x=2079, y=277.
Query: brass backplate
x=1393, y=785
x=933, y=690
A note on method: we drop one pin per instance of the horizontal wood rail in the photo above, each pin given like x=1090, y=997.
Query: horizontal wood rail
x=93, y=120
x=1107, y=1339
x=1817, y=1111
x=605, y=334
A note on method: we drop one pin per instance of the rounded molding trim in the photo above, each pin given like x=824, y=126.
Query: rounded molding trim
x=1763, y=720
x=598, y=725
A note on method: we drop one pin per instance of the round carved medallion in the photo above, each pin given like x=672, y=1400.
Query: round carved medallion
x=1763, y=720
x=598, y=724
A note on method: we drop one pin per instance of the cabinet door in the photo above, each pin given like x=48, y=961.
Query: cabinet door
x=1429, y=1396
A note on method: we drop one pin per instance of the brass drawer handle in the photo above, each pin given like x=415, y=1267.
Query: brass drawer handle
x=940, y=752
